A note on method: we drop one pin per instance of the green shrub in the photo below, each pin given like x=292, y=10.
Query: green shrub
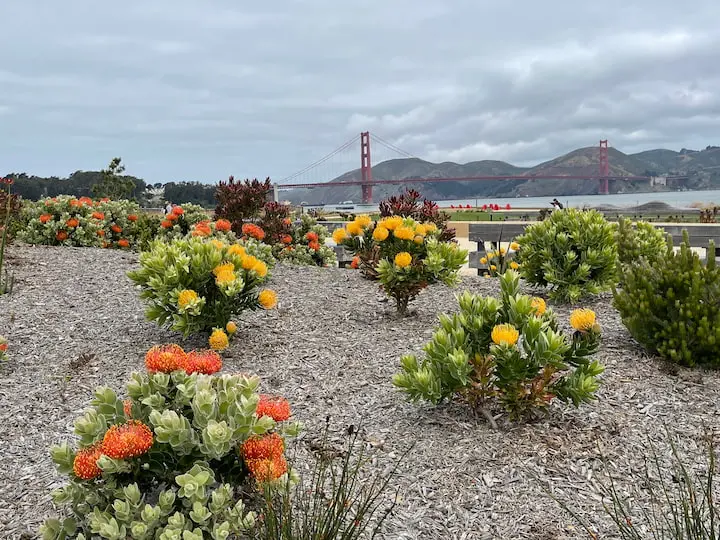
x=306, y=245
x=61, y=220
x=671, y=306
x=179, y=222
x=508, y=349
x=573, y=252
x=639, y=239
x=198, y=285
x=176, y=459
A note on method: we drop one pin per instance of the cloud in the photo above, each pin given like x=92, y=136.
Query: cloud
x=190, y=90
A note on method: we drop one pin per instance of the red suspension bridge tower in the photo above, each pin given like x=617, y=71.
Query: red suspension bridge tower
x=604, y=169
x=365, y=167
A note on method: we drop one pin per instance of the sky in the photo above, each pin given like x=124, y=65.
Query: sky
x=197, y=90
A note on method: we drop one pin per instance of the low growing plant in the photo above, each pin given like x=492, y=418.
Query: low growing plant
x=639, y=240
x=671, y=305
x=62, y=220
x=174, y=460
x=409, y=255
x=180, y=221
x=508, y=350
x=573, y=252
x=306, y=245
x=193, y=285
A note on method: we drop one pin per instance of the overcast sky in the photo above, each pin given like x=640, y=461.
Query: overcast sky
x=198, y=90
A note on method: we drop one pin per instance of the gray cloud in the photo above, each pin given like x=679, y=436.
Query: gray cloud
x=190, y=90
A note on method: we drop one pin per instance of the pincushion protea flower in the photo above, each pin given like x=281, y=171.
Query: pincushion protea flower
x=253, y=230
x=538, y=305
x=127, y=440
x=276, y=407
x=339, y=235
x=223, y=225
x=266, y=470
x=206, y=362
x=267, y=298
x=85, y=464
x=218, y=340
x=403, y=259
x=380, y=233
x=505, y=334
x=263, y=447
x=165, y=358
x=582, y=319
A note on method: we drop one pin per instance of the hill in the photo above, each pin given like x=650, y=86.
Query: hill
x=702, y=168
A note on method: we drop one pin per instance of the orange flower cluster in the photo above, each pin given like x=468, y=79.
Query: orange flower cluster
x=286, y=239
x=311, y=237
x=127, y=440
x=171, y=357
x=85, y=464
x=264, y=457
x=202, y=228
x=355, y=264
x=276, y=407
x=223, y=225
x=252, y=230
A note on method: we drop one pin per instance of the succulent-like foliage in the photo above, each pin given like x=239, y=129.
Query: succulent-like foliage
x=408, y=204
x=306, y=244
x=173, y=461
x=672, y=305
x=573, y=252
x=508, y=349
x=639, y=240
x=179, y=222
x=61, y=220
x=195, y=285
x=409, y=255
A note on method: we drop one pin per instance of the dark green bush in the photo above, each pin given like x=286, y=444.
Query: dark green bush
x=573, y=252
x=639, y=239
x=672, y=305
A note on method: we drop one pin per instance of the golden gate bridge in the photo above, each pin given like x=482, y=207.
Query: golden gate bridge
x=363, y=176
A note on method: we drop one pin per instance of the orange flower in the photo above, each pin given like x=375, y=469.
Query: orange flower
x=85, y=463
x=171, y=217
x=223, y=225
x=61, y=236
x=127, y=440
x=105, y=199
x=263, y=447
x=105, y=245
x=123, y=243
x=207, y=362
x=314, y=246
x=72, y=223
x=75, y=202
x=178, y=211
x=101, y=232
x=253, y=230
x=165, y=358
x=98, y=215
x=85, y=200
x=132, y=217
x=266, y=470
x=287, y=221
x=286, y=239
x=311, y=237
x=276, y=407
x=165, y=224
x=202, y=229
x=355, y=263
x=45, y=218
x=127, y=408
x=116, y=228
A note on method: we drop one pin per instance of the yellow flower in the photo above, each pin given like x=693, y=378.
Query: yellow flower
x=430, y=227
x=502, y=251
x=493, y=267
x=404, y=233
x=248, y=262
x=392, y=223
x=267, y=298
x=483, y=260
x=363, y=220
x=225, y=277
x=582, y=319
x=420, y=229
x=226, y=267
x=339, y=235
x=380, y=233
x=354, y=228
x=231, y=327
x=514, y=265
x=514, y=246
x=419, y=239
x=538, y=305
x=217, y=243
x=237, y=249
x=188, y=296
x=487, y=276
x=403, y=259
x=260, y=268
x=491, y=255
x=218, y=340
x=505, y=334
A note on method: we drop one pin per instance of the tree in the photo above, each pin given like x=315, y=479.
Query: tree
x=113, y=185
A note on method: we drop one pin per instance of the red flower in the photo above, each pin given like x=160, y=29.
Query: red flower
x=85, y=200
x=85, y=463
x=206, y=362
x=253, y=230
x=263, y=447
x=127, y=440
x=165, y=358
x=101, y=232
x=275, y=407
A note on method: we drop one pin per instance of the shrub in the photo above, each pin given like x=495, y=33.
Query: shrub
x=671, y=306
x=572, y=251
x=147, y=228
x=3, y=348
x=409, y=255
x=408, y=205
x=240, y=201
x=221, y=230
x=62, y=220
x=195, y=285
x=501, y=260
x=179, y=222
x=118, y=222
x=508, y=349
x=639, y=239
x=175, y=459
x=306, y=245
x=275, y=223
